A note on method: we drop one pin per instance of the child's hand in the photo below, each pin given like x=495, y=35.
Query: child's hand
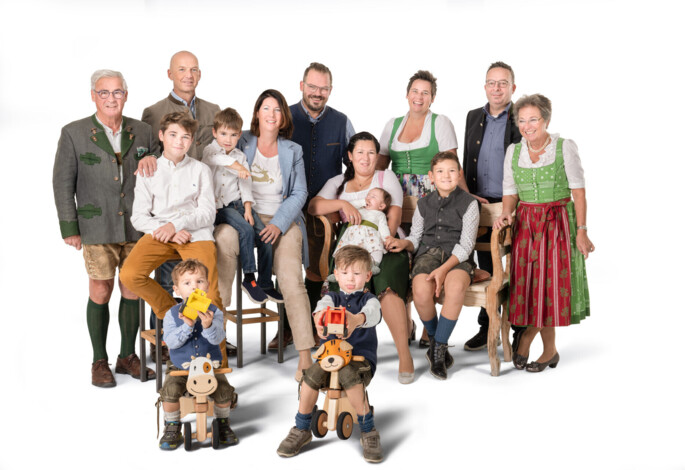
x=318, y=324
x=584, y=244
x=186, y=320
x=243, y=173
x=164, y=233
x=438, y=276
x=206, y=318
x=248, y=217
x=352, y=322
x=502, y=221
x=181, y=237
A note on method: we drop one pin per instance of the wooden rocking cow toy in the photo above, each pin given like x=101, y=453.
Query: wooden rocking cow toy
x=201, y=383
x=337, y=413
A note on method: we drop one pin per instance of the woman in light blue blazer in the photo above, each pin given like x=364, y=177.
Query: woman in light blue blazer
x=280, y=192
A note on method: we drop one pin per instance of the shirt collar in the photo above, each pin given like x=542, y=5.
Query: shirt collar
x=192, y=102
x=486, y=108
x=107, y=129
x=169, y=164
x=313, y=119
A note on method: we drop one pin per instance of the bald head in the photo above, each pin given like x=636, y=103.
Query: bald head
x=184, y=71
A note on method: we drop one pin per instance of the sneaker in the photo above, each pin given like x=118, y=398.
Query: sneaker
x=102, y=374
x=449, y=360
x=172, y=437
x=274, y=295
x=226, y=434
x=131, y=365
x=294, y=441
x=371, y=444
x=254, y=292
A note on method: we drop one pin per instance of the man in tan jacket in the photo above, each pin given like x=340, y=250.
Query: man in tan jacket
x=185, y=72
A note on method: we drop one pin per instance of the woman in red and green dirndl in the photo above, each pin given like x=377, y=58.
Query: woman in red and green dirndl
x=544, y=182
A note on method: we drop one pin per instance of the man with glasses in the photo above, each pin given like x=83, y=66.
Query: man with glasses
x=489, y=131
x=323, y=133
x=93, y=181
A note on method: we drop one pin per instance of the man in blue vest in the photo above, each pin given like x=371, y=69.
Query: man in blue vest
x=489, y=131
x=323, y=133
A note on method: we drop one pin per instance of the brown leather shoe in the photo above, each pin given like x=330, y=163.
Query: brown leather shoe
x=165, y=353
x=131, y=365
x=287, y=339
x=102, y=374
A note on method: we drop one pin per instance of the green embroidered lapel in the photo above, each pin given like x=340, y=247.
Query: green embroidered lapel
x=126, y=137
x=99, y=137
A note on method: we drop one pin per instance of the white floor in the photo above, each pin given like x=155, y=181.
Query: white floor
x=600, y=408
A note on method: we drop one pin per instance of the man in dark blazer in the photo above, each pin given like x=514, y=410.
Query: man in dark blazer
x=93, y=181
x=489, y=131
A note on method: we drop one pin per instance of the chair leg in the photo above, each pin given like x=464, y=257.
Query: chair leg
x=158, y=352
x=506, y=325
x=141, y=341
x=493, y=331
x=263, y=331
x=239, y=316
x=281, y=315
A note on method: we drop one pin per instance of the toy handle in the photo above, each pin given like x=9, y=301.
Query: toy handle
x=356, y=358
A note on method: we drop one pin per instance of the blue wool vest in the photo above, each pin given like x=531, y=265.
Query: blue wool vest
x=196, y=345
x=323, y=145
x=363, y=340
x=442, y=220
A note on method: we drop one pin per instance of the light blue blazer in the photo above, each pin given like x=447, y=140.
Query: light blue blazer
x=294, y=184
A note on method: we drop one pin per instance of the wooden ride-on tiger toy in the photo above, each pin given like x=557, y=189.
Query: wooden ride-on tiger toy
x=337, y=413
x=201, y=383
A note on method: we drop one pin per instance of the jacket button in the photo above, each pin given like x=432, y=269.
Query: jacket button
x=114, y=160
x=116, y=178
x=121, y=213
x=122, y=194
x=478, y=142
x=475, y=159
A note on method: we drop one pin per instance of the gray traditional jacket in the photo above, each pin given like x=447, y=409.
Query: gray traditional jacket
x=93, y=198
x=204, y=115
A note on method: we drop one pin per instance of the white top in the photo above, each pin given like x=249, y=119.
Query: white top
x=574, y=170
x=227, y=186
x=444, y=134
x=469, y=229
x=390, y=184
x=182, y=194
x=267, y=183
x=378, y=218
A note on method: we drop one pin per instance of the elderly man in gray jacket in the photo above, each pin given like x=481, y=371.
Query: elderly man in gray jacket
x=93, y=184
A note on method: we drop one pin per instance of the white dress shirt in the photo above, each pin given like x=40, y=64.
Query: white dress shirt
x=227, y=186
x=182, y=194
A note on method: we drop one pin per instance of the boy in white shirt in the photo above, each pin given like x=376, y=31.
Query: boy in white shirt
x=233, y=194
x=175, y=210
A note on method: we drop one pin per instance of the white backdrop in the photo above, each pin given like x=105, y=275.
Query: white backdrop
x=612, y=70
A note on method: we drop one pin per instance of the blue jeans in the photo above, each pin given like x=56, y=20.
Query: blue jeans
x=166, y=282
x=233, y=215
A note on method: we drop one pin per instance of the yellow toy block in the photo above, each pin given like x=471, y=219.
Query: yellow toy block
x=196, y=302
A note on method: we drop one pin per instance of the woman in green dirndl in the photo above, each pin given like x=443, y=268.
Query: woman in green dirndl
x=544, y=182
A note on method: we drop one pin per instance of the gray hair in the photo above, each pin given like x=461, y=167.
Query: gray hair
x=537, y=100
x=106, y=73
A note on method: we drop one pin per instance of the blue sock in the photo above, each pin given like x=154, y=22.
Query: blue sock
x=303, y=422
x=431, y=325
x=366, y=423
x=445, y=327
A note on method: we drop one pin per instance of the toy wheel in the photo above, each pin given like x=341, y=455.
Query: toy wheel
x=325, y=331
x=344, y=425
x=319, y=428
x=345, y=332
x=215, y=434
x=187, y=436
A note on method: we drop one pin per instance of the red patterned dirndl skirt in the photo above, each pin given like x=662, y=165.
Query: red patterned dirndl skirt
x=540, y=291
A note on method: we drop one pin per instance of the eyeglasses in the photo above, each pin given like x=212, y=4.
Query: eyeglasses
x=497, y=83
x=104, y=94
x=533, y=121
x=323, y=89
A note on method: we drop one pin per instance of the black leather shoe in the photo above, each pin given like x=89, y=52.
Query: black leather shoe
x=231, y=349
x=438, y=367
x=479, y=340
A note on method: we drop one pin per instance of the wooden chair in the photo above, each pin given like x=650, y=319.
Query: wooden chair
x=490, y=294
x=261, y=315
